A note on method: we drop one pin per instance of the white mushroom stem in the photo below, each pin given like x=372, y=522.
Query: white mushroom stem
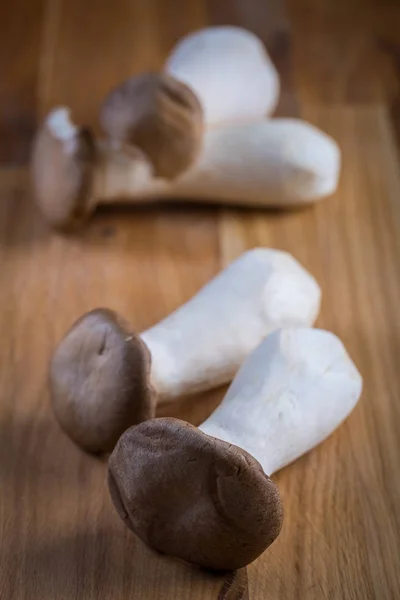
x=203, y=343
x=282, y=162
x=229, y=70
x=289, y=395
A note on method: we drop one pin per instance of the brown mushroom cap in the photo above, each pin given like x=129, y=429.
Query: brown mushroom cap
x=99, y=381
x=160, y=115
x=62, y=170
x=193, y=496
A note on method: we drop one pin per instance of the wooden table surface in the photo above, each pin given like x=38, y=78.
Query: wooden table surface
x=340, y=67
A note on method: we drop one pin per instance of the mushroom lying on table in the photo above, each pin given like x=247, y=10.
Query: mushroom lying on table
x=101, y=380
x=201, y=494
x=229, y=70
x=228, y=74
x=279, y=163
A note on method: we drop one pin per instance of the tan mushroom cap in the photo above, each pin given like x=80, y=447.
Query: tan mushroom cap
x=193, y=496
x=62, y=170
x=99, y=381
x=160, y=115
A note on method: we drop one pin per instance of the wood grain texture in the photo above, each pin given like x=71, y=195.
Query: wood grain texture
x=59, y=536
x=21, y=30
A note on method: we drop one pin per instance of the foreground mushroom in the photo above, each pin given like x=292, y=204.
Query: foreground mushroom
x=101, y=380
x=194, y=497
x=280, y=163
x=230, y=71
x=198, y=494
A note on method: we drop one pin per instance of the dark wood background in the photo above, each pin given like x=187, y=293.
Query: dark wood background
x=339, y=61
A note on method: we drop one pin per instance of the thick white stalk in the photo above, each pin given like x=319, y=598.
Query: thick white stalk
x=229, y=70
x=203, y=343
x=281, y=162
x=289, y=395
